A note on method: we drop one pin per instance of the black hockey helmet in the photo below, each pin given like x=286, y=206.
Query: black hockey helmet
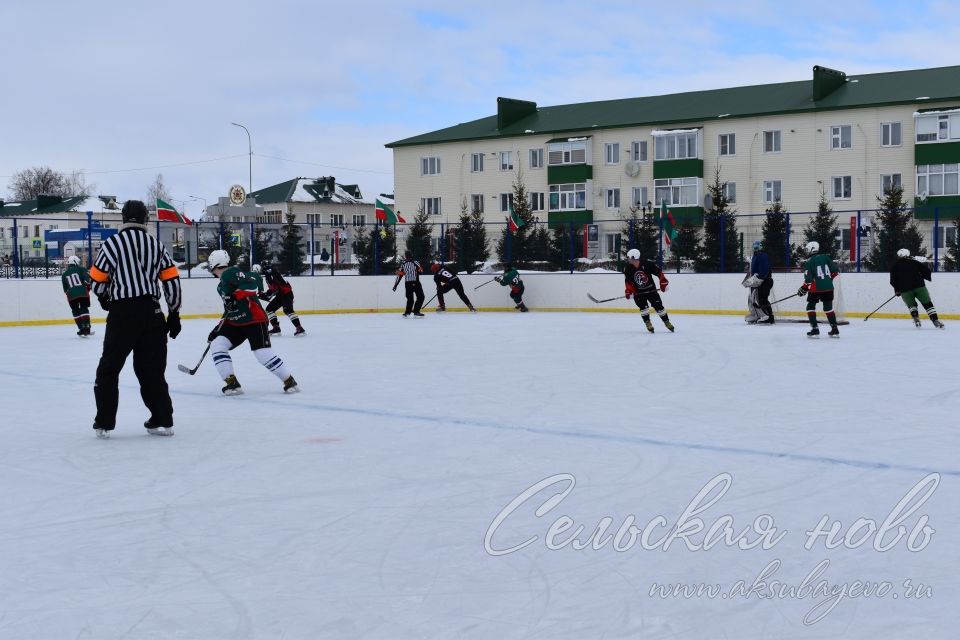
x=408, y=255
x=134, y=211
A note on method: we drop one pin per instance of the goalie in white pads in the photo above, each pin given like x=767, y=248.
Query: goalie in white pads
x=244, y=320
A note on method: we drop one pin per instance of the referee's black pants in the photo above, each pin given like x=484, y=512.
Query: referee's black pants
x=413, y=287
x=136, y=325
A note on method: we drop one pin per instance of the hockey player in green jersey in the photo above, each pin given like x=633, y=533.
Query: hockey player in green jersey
x=244, y=320
x=76, y=286
x=818, y=274
x=511, y=278
x=906, y=277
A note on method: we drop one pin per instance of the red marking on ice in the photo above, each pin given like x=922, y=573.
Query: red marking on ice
x=321, y=440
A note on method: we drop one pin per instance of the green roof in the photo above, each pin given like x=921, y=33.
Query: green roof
x=282, y=192
x=42, y=205
x=918, y=86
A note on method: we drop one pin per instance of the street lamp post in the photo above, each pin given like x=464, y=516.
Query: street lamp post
x=250, y=150
x=204, y=203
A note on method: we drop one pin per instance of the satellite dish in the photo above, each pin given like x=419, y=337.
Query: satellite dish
x=922, y=195
x=708, y=202
x=632, y=169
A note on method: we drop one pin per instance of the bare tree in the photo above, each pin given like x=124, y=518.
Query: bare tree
x=27, y=184
x=158, y=189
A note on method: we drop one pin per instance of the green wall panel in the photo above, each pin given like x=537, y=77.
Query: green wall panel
x=678, y=168
x=943, y=153
x=569, y=173
x=948, y=208
x=687, y=215
x=563, y=217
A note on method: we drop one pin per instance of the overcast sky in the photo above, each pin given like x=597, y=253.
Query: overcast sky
x=125, y=90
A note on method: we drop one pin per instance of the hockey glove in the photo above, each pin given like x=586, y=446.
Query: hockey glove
x=896, y=293
x=173, y=324
x=213, y=334
x=265, y=296
x=104, y=302
x=663, y=284
x=802, y=291
x=498, y=278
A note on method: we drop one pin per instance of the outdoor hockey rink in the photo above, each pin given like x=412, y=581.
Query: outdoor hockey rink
x=365, y=506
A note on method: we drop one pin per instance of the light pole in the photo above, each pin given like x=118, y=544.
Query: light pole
x=250, y=149
x=204, y=204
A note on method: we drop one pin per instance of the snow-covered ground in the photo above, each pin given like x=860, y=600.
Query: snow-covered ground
x=374, y=504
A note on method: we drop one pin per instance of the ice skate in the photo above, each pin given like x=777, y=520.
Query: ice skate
x=472, y=309
x=441, y=309
x=158, y=431
x=916, y=321
x=834, y=332
x=668, y=325
x=275, y=331
x=813, y=333
x=648, y=324
x=290, y=385
x=232, y=386
x=523, y=307
x=300, y=331
x=417, y=314
x=938, y=324
x=103, y=434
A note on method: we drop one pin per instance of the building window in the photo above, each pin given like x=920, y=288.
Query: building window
x=676, y=146
x=430, y=166
x=611, y=153
x=771, y=141
x=336, y=219
x=536, y=158
x=841, y=137
x=945, y=232
x=506, y=201
x=890, y=181
x=638, y=197
x=312, y=218
x=890, y=134
x=729, y=190
x=506, y=161
x=359, y=220
x=431, y=206
x=677, y=192
x=613, y=198
x=638, y=151
x=728, y=144
x=568, y=197
x=772, y=190
x=937, y=180
x=476, y=203
x=611, y=242
x=476, y=162
x=36, y=230
x=843, y=235
x=842, y=187
x=943, y=128
x=537, y=201
x=567, y=153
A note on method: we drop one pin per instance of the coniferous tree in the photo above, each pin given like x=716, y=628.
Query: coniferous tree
x=640, y=231
x=291, y=252
x=566, y=244
x=419, y=241
x=897, y=231
x=378, y=245
x=262, y=241
x=539, y=241
x=719, y=225
x=518, y=242
x=471, y=239
x=685, y=247
x=775, y=235
x=822, y=229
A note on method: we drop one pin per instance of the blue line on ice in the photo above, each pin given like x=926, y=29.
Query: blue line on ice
x=286, y=401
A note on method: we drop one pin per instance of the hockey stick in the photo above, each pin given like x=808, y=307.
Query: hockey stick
x=787, y=298
x=878, y=308
x=484, y=284
x=427, y=303
x=194, y=370
x=590, y=295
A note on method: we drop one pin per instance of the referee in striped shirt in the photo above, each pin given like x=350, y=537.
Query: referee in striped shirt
x=128, y=274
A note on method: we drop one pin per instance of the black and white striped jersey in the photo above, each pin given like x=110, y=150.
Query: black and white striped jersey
x=132, y=264
x=410, y=270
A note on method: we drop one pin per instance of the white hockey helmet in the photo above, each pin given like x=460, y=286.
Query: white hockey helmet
x=74, y=260
x=633, y=254
x=217, y=259
x=256, y=268
x=903, y=253
x=813, y=247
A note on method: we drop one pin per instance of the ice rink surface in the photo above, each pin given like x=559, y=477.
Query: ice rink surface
x=374, y=504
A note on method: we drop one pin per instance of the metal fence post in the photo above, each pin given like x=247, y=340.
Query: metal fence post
x=253, y=245
x=721, y=220
x=16, y=249
x=786, y=243
x=89, y=239
x=376, y=249
x=313, y=267
x=859, y=244
x=936, y=238
x=509, y=243
x=572, y=245
x=443, y=243
x=633, y=233
x=660, y=244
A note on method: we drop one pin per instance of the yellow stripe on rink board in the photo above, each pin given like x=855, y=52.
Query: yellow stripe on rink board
x=597, y=309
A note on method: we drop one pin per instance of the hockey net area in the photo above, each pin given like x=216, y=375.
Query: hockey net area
x=794, y=309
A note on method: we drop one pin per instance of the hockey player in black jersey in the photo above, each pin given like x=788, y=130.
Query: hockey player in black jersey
x=446, y=280
x=640, y=286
